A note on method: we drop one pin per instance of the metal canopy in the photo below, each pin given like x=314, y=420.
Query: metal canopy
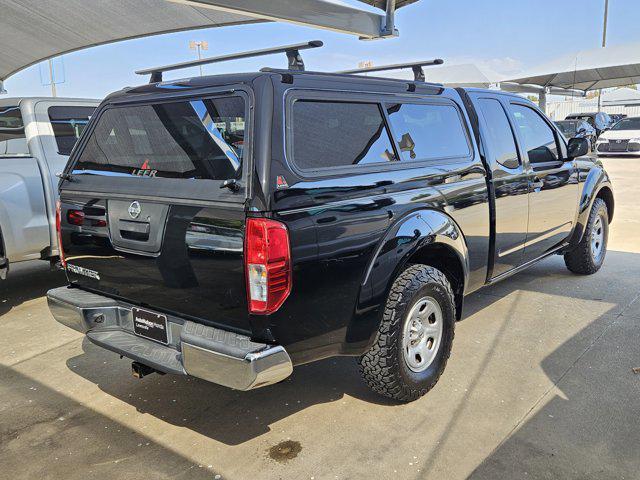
x=34, y=30
x=588, y=70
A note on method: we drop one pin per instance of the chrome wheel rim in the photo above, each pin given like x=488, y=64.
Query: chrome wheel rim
x=422, y=334
x=597, y=239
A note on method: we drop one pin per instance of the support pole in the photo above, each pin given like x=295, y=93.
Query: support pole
x=604, y=44
x=542, y=101
x=389, y=29
x=53, y=83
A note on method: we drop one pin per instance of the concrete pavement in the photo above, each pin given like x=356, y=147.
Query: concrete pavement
x=540, y=385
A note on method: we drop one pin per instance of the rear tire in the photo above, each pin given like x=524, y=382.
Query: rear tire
x=414, y=339
x=588, y=256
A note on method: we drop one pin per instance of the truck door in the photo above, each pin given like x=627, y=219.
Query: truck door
x=553, y=181
x=510, y=184
x=55, y=126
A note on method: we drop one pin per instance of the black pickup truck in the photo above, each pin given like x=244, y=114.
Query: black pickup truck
x=230, y=227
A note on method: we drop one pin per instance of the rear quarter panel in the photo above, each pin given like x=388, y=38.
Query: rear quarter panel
x=23, y=217
x=337, y=225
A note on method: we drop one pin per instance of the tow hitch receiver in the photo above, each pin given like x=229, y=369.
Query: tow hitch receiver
x=140, y=370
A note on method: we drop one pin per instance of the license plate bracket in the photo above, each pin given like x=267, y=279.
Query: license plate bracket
x=150, y=325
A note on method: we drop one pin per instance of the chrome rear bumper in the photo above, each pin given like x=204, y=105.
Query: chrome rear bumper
x=215, y=355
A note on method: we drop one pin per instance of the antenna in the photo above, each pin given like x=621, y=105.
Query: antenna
x=418, y=72
x=292, y=51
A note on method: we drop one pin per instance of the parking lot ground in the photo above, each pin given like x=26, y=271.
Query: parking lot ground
x=539, y=385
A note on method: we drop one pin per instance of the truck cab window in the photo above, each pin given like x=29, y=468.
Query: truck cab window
x=428, y=131
x=338, y=134
x=68, y=123
x=499, y=132
x=535, y=134
x=12, y=137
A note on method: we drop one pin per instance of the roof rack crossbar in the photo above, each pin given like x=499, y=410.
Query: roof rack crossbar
x=294, y=59
x=418, y=72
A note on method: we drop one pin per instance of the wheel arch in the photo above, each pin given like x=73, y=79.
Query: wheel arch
x=606, y=194
x=448, y=261
x=425, y=236
x=596, y=185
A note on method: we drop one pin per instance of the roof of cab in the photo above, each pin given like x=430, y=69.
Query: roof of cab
x=286, y=76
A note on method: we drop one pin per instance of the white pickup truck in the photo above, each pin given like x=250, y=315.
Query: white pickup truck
x=36, y=137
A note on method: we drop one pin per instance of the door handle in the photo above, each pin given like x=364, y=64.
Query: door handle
x=537, y=184
x=135, y=227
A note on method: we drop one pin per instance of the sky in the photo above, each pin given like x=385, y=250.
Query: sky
x=505, y=36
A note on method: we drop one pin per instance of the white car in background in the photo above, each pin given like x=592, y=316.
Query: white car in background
x=621, y=139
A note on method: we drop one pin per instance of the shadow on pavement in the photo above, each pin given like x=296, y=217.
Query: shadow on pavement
x=27, y=281
x=587, y=426
x=47, y=435
x=229, y=416
x=234, y=417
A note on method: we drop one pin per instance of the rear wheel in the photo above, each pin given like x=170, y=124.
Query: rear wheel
x=415, y=336
x=588, y=256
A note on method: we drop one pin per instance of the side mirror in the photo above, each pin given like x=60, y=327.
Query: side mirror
x=578, y=147
x=407, y=144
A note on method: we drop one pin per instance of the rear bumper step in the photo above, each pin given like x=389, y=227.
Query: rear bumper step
x=215, y=355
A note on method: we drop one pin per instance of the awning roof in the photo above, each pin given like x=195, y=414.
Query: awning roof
x=621, y=97
x=588, y=69
x=34, y=30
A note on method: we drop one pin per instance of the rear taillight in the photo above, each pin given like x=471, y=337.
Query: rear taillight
x=75, y=217
x=59, y=232
x=267, y=260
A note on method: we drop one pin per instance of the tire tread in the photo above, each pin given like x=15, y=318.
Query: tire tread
x=380, y=365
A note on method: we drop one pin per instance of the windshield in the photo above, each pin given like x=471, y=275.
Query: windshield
x=567, y=128
x=587, y=118
x=627, y=124
x=196, y=139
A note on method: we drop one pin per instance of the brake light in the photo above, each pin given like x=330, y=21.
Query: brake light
x=75, y=217
x=267, y=259
x=59, y=232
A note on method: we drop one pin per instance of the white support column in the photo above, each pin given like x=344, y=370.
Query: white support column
x=542, y=101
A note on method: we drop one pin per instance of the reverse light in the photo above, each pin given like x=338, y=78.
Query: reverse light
x=267, y=259
x=63, y=262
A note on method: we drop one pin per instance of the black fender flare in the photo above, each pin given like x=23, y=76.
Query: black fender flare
x=407, y=236
x=596, y=184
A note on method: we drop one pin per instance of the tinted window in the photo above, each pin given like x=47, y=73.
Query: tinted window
x=68, y=123
x=627, y=124
x=428, y=131
x=536, y=135
x=338, y=134
x=12, y=137
x=568, y=128
x=500, y=135
x=587, y=118
x=199, y=139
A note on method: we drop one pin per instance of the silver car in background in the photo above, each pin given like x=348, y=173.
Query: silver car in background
x=36, y=137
